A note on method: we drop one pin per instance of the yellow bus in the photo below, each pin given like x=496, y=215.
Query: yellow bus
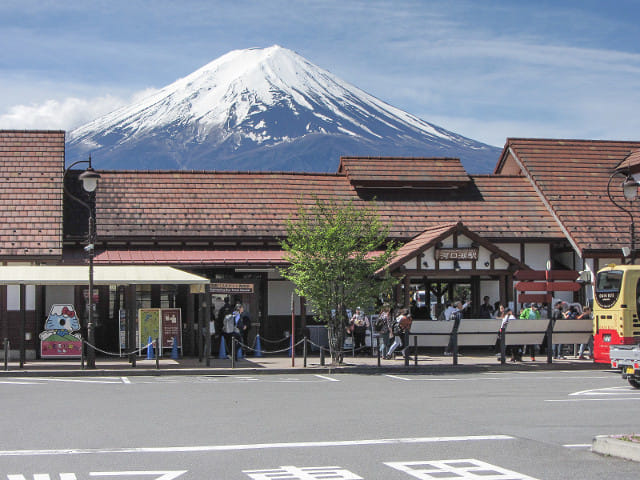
x=615, y=311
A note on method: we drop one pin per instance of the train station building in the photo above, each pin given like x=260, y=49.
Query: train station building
x=163, y=238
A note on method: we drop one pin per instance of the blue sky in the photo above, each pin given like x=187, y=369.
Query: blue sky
x=485, y=69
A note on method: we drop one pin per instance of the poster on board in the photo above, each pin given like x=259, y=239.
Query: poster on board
x=171, y=327
x=148, y=325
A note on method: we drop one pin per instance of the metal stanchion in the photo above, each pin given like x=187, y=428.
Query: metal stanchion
x=322, y=356
x=304, y=350
x=6, y=354
x=415, y=350
x=82, y=357
x=378, y=344
x=405, y=348
x=233, y=352
x=157, y=354
x=503, y=347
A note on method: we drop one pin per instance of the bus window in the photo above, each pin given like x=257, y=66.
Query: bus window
x=607, y=289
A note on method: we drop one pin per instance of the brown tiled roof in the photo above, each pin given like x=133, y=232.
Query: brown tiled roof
x=193, y=257
x=393, y=172
x=165, y=205
x=31, y=168
x=572, y=177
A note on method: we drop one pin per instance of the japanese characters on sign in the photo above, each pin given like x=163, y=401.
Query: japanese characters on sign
x=220, y=287
x=457, y=254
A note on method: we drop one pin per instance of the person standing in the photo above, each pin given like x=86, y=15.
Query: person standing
x=383, y=326
x=245, y=326
x=359, y=323
x=401, y=326
x=486, y=309
x=456, y=317
x=556, y=315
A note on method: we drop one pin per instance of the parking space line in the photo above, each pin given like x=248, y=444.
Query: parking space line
x=328, y=378
x=253, y=446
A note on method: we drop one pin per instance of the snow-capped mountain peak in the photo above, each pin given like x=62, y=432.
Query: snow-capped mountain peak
x=249, y=100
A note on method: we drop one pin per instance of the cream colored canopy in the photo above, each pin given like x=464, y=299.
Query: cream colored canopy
x=102, y=275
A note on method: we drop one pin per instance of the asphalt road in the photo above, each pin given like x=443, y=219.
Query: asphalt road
x=512, y=425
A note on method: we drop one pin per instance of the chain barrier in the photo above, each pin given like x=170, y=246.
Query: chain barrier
x=123, y=354
x=251, y=349
x=262, y=339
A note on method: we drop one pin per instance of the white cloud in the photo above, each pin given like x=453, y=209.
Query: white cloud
x=64, y=114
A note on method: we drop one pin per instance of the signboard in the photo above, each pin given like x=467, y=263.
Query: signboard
x=171, y=327
x=149, y=325
x=60, y=337
x=444, y=254
x=220, y=287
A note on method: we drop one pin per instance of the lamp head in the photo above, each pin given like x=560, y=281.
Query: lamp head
x=630, y=188
x=89, y=179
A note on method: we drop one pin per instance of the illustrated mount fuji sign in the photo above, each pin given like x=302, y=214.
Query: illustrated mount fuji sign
x=263, y=109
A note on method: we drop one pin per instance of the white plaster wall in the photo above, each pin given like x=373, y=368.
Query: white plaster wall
x=280, y=298
x=512, y=249
x=491, y=288
x=13, y=297
x=412, y=264
x=536, y=255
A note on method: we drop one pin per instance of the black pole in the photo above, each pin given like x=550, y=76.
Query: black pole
x=322, y=356
x=415, y=350
x=233, y=351
x=405, y=348
x=378, y=343
x=503, y=346
x=304, y=350
x=550, y=341
x=91, y=334
x=6, y=354
x=158, y=354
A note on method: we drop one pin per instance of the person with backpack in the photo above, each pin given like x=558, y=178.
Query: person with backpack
x=530, y=313
x=383, y=327
x=401, y=328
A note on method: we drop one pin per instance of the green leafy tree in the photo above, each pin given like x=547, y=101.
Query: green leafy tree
x=334, y=250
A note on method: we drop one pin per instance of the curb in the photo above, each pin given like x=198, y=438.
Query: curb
x=615, y=447
x=313, y=369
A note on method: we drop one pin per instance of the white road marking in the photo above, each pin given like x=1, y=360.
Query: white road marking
x=42, y=381
x=577, y=445
x=397, y=377
x=253, y=446
x=125, y=380
x=462, y=468
x=328, y=378
x=164, y=475
x=607, y=399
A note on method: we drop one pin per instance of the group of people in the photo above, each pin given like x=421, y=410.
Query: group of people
x=230, y=323
x=533, y=311
x=391, y=330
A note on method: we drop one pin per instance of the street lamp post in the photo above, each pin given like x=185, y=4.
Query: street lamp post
x=89, y=180
x=629, y=168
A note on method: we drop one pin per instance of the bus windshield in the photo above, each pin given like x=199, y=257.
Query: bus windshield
x=609, y=281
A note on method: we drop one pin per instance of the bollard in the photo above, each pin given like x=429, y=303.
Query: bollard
x=378, y=344
x=82, y=356
x=233, y=352
x=415, y=350
x=223, y=348
x=322, y=356
x=503, y=347
x=405, y=348
x=304, y=350
x=158, y=354
x=150, y=352
x=174, y=349
x=6, y=354
x=258, y=352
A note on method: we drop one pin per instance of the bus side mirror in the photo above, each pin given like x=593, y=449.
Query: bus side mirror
x=584, y=277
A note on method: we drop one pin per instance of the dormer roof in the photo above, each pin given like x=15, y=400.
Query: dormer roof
x=404, y=172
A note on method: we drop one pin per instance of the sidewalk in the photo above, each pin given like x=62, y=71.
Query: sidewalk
x=269, y=364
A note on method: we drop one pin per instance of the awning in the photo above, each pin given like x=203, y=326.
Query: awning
x=235, y=258
x=102, y=275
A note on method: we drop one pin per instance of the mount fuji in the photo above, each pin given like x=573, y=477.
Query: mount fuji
x=263, y=109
